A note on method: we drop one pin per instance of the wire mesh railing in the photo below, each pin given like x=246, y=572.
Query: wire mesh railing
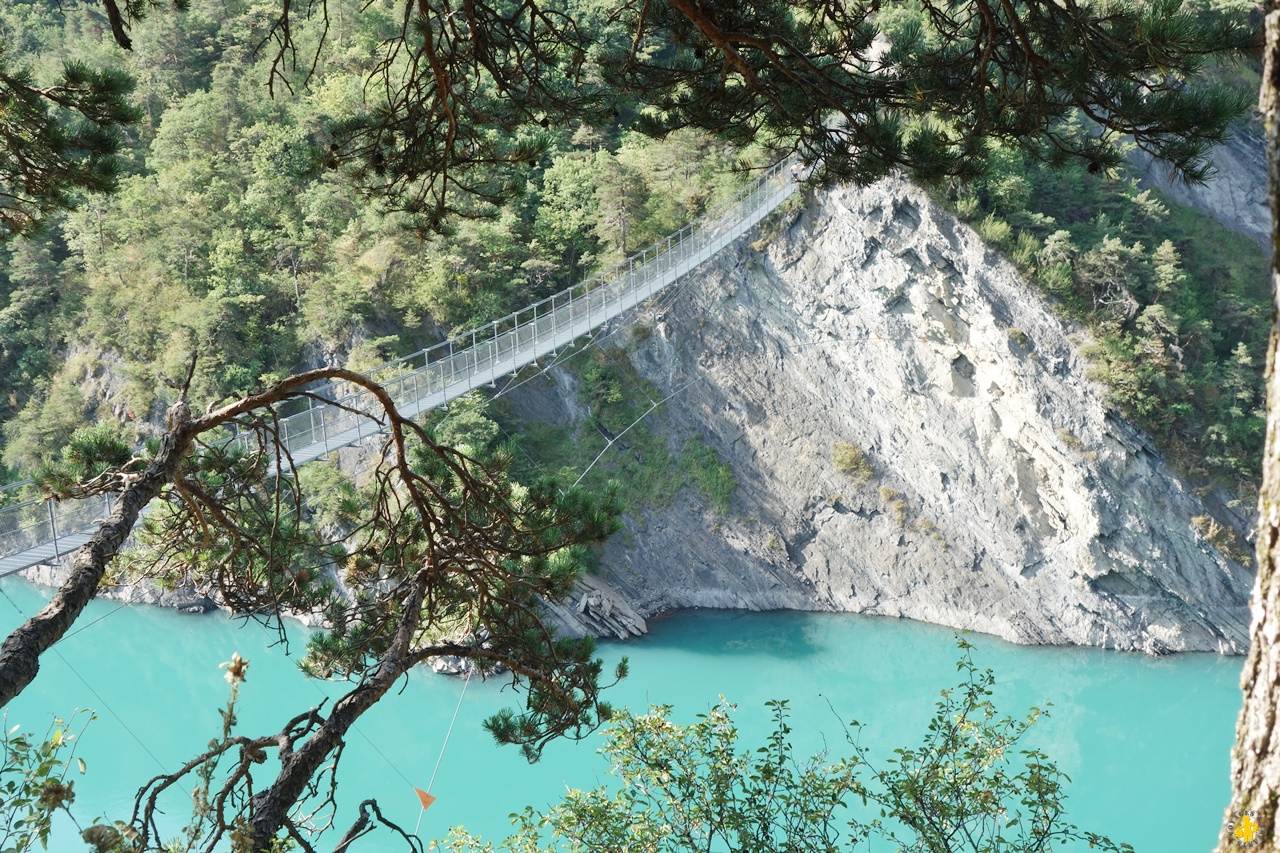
x=435, y=375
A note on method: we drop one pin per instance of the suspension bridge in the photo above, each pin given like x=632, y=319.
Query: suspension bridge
x=36, y=532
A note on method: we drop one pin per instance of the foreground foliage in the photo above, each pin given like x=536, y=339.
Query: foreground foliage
x=972, y=785
x=431, y=552
x=34, y=780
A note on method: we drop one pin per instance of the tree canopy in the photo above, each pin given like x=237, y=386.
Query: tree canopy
x=463, y=93
x=862, y=87
x=443, y=553
x=58, y=140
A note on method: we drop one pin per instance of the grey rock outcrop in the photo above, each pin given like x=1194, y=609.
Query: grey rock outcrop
x=1236, y=195
x=596, y=608
x=1005, y=497
x=186, y=599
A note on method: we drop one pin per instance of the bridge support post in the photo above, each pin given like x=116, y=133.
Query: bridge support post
x=475, y=363
x=324, y=433
x=53, y=529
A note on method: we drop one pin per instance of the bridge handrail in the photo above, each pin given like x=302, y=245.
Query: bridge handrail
x=469, y=354
x=710, y=219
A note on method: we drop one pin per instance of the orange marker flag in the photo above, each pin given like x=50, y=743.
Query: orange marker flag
x=425, y=798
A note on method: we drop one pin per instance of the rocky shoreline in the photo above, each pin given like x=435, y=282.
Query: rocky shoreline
x=1002, y=496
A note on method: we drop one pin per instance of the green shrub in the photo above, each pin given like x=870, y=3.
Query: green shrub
x=850, y=460
x=895, y=505
x=713, y=478
x=1223, y=538
x=1070, y=439
x=995, y=230
x=973, y=783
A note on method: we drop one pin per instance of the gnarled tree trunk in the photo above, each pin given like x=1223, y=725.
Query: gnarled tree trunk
x=21, y=650
x=1255, y=759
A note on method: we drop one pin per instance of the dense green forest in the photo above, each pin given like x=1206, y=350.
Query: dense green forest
x=229, y=236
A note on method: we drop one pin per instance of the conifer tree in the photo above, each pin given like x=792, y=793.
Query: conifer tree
x=58, y=140
x=863, y=87
x=461, y=100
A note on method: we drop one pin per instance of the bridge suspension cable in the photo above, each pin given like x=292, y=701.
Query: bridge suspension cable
x=36, y=532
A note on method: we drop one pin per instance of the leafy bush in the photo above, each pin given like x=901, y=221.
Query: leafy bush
x=34, y=783
x=972, y=785
x=1225, y=539
x=895, y=504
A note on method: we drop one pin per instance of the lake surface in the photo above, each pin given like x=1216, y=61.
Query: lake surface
x=1145, y=741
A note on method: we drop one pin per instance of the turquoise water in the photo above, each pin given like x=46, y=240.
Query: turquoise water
x=1144, y=740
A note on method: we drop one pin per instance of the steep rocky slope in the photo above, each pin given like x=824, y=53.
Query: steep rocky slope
x=1236, y=196
x=1005, y=498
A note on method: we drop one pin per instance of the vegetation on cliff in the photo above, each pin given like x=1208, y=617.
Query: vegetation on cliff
x=1177, y=304
x=231, y=233
x=246, y=229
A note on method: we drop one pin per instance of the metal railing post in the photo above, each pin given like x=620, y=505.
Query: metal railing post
x=324, y=433
x=53, y=528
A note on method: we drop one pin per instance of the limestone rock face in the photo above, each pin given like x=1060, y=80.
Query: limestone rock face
x=1005, y=498
x=598, y=609
x=114, y=587
x=1236, y=196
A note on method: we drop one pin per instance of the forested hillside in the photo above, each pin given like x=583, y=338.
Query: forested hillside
x=1178, y=304
x=232, y=236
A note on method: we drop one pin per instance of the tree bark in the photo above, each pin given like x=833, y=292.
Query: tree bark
x=1255, y=758
x=269, y=809
x=21, y=650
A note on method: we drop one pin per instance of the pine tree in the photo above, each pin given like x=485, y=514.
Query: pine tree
x=862, y=87
x=58, y=140
x=467, y=93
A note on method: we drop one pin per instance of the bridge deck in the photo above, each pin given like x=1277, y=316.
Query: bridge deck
x=33, y=533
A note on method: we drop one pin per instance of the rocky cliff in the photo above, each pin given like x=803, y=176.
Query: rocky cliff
x=1236, y=195
x=998, y=493
x=1002, y=496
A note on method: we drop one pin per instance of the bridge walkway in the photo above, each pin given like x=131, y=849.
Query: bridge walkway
x=36, y=532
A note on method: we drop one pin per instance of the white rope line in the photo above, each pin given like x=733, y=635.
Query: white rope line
x=443, y=747
x=449, y=733
x=628, y=429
